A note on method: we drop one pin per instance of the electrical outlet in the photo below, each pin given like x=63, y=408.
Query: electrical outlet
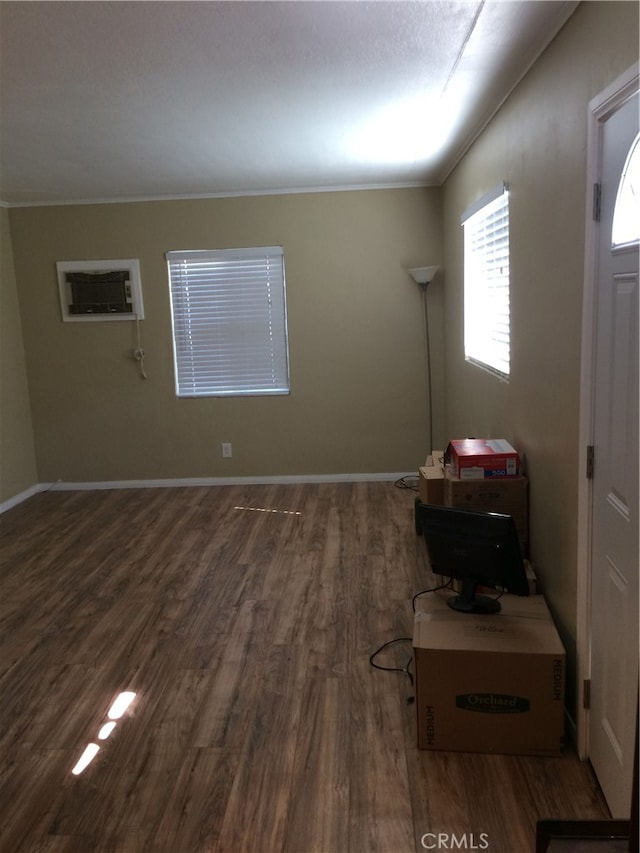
x=227, y=449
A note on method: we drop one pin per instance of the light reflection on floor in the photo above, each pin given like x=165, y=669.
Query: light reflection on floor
x=264, y=509
x=119, y=706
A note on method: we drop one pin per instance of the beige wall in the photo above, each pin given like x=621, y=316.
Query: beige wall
x=358, y=400
x=537, y=144
x=17, y=457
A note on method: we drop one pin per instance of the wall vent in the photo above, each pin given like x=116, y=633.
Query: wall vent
x=100, y=290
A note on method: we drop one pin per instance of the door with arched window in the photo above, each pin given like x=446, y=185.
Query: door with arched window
x=615, y=554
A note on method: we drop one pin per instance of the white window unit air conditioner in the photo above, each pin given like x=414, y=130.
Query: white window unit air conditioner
x=100, y=290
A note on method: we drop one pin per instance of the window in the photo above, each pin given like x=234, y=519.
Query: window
x=626, y=216
x=486, y=282
x=229, y=322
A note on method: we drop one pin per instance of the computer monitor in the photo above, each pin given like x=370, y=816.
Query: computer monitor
x=476, y=548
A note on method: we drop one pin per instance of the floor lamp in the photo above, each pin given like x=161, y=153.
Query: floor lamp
x=423, y=276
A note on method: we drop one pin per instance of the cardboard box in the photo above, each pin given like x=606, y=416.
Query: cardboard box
x=431, y=479
x=436, y=458
x=508, y=495
x=481, y=458
x=489, y=683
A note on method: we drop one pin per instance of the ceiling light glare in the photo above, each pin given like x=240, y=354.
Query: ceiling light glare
x=120, y=705
x=404, y=132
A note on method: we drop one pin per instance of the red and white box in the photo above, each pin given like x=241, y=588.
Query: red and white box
x=481, y=458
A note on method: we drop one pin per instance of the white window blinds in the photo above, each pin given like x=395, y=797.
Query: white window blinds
x=486, y=284
x=229, y=321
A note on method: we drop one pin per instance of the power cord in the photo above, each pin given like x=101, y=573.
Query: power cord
x=446, y=585
x=407, y=482
x=138, y=352
x=405, y=669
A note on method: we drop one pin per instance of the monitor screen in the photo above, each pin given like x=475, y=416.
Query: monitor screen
x=476, y=548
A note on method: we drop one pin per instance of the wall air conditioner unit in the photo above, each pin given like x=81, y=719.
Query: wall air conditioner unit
x=100, y=290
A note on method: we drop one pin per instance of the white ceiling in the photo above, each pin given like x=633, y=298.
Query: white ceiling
x=130, y=100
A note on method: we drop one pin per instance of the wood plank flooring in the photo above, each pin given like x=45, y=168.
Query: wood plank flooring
x=243, y=618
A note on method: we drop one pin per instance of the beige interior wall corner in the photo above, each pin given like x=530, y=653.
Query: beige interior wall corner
x=537, y=144
x=18, y=472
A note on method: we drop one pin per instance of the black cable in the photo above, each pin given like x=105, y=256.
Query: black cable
x=404, y=669
x=403, y=482
x=446, y=585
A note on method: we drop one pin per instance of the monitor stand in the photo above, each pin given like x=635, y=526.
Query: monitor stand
x=468, y=602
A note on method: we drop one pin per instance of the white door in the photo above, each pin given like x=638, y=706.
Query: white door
x=614, y=592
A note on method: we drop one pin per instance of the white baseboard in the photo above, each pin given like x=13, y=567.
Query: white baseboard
x=62, y=486
x=182, y=482
x=23, y=496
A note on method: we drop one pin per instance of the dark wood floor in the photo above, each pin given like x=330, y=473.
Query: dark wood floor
x=243, y=618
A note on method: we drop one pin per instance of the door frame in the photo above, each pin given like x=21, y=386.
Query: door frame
x=600, y=108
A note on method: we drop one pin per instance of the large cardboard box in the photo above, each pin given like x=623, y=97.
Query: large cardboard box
x=508, y=495
x=489, y=683
x=481, y=458
x=431, y=479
